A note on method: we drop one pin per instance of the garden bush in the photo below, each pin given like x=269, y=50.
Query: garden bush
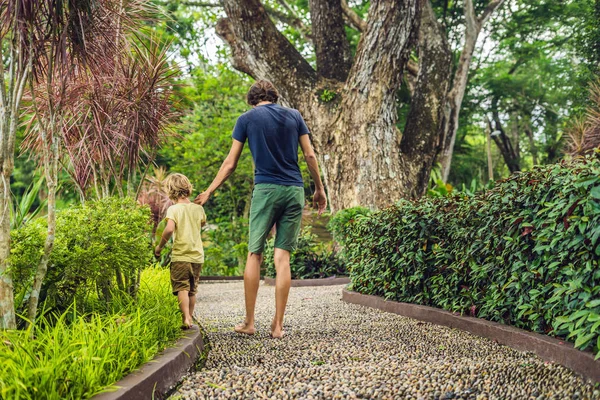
x=525, y=252
x=100, y=245
x=79, y=355
x=310, y=260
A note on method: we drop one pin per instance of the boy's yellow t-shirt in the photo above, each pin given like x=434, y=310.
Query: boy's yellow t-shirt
x=187, y=239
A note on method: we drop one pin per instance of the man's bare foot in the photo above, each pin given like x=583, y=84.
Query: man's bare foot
x=245, y=328
x=277, y=331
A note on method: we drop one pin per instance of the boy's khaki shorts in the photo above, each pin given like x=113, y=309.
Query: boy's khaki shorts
x=275, y=205
x=185, y=276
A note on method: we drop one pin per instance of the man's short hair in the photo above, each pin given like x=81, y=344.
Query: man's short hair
x=262, y=91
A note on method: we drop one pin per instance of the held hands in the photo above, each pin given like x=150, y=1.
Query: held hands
x=320, y=200
x=202, y=198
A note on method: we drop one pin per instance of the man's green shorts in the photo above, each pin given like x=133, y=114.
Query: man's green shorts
x=275, y=205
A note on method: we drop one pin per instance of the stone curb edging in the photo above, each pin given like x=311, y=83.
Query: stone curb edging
x=546, y=347
x=158, y=377
x=312, y=282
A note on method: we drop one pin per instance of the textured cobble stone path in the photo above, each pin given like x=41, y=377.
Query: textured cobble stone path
x=334, y=350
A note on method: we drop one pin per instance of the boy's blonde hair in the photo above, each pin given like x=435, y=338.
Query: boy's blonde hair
x=178, y=186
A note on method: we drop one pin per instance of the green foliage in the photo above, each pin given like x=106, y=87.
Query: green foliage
x=77, y=356
x=310, y=260
x=525, y=253
x=341, y=224
x=105, y=241
x=327, y=95
x=437, y=186
x=25, y=208
x=226, y=248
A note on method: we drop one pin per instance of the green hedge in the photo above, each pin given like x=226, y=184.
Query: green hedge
x=76, y=356
x=100, y=245
x=525, y=253
x=311, y=259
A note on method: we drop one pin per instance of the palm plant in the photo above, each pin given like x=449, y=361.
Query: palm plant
x=121, y=117
x=38, y=38
x=69, y=41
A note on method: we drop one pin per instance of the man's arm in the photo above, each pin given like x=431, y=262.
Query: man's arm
x=166, y=235
x=227, y=168
x=319, y=198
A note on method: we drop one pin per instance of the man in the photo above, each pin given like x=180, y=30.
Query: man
x=273, y=133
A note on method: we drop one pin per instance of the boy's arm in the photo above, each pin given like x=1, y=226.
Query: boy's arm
x=166, y=235
x=319, y=198
x=227, y=168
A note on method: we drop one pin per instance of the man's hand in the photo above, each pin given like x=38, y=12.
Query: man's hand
x=157, y=251
x=320, y=200
x=202, y=198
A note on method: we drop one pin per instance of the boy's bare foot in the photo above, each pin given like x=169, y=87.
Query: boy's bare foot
x=187, y=324
x=245, y=328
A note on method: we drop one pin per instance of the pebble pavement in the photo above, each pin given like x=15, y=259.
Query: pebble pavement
x=334, y=350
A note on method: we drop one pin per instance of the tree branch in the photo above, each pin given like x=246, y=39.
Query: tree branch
x=427, y=117
x=262, y=52
x=489, y=10
x=331, y=46
x=290, y=18
x=384, y=48
x=192, y=3
x=352, y=17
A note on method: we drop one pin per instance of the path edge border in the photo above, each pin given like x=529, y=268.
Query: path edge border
x=157, y=378
x=331, y=281
x=546, y=347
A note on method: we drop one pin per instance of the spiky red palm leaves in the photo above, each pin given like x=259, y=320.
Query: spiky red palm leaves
x=584, y=133
x=115, y=104
x=121, y=118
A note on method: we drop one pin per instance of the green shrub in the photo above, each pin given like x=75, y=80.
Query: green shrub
x=75, y=360
x=226, y=248
x=102, y=244
x=310, y=260
x=524, y=253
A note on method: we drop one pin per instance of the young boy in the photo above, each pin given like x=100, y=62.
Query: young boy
x=184, y=219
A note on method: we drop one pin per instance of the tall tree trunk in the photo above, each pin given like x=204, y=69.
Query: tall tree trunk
x=365, y=166
x=51, y=163
x=473, y=25
x=333, y=50
x=11, y=93
x=428, y=115
x=503, y=141
x=514, y=135
x=532, y=146
x=7, y=306
x=354, y=133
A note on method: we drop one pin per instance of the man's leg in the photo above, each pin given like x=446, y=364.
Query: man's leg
x=262, y=218
x=184, y=306
x=251, y=283
x=282, y=289
x=288, y=228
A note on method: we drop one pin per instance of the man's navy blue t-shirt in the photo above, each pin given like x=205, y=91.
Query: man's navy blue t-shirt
x=273, y=133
